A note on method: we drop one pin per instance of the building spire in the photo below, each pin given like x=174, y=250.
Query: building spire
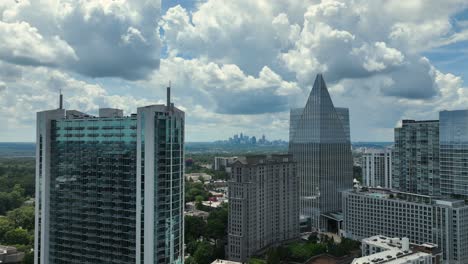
x=169, y=95
x=61, y=100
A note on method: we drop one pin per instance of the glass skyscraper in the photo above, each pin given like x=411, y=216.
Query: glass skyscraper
x=416, y=157
x=320, y=144
x=110, y=188
x=454, y=153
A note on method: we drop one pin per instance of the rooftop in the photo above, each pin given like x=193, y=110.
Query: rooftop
x=382, y=193
x=390, y=257
x=409, y=121
x=384, y=242
x=222, y=261
x=394, y=251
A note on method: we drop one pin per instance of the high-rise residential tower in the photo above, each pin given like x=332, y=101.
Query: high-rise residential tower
x=319, y=141
x=109, y=188
x=377, y=168
x=416, y=157
x=454, y=153
x=263, y=204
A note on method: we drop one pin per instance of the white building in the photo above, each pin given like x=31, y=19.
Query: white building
x=381, y=249
x=198, y=177
x=377, y=168
x=222, y=261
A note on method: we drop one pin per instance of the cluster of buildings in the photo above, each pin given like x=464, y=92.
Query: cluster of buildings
x=110, y=188
x=243, y=139
x=415, y=190
x=272, y=197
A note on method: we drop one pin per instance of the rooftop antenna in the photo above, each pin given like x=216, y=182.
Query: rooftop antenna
x=169, y=95
x=61, y=100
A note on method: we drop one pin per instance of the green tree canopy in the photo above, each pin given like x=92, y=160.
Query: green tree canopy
x=5, y=226
x=217, y=222
x=22, y=217
x=195, y=227
x=204, y=254
x=11, y=200
x=17, y=236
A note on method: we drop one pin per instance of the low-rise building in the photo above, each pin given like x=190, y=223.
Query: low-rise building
x=10, y=255
x=395, y=257
x=198, y=177
x=213, y=204
x=381, y=249
x=222, y=261
x=420, y=218
x=218, y=183
x=197, y=213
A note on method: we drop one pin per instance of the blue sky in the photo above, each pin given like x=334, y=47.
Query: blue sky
x=234, y=65
x=452, y=58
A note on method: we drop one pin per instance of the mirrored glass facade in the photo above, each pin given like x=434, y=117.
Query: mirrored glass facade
x=110, y=188
x=92, y=191
x=454, y=152
x=320, y=144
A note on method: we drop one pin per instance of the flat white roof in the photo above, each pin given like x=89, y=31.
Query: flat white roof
x=384, y=242
x=393, y=256
x=222, y=261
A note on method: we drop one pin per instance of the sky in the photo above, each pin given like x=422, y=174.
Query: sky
x=235, y=65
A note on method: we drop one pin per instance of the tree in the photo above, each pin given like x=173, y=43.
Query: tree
x=192, y=247
x=201, y=179
x=5, y=226
x=17, y=236
x=204, y=253
x=272, y=256
x=217, y=222
x=195, y=227
x=11, y=200
x=192, y=190
x=357, y=173
x=22, y=217
x=303, y=251
x=28, y=258
x=190, y=260
x=199, y=202
x=313, y=238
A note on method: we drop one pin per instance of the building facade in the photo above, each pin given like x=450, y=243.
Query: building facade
x=319, y=141
x=416, y=158
x=421, y=218
x=377, y=168
x=223, y=163
x=263, y=204
x=109, y=189
x=454, y=153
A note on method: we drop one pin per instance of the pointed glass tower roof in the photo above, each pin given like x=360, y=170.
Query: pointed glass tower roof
x=320, y=122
